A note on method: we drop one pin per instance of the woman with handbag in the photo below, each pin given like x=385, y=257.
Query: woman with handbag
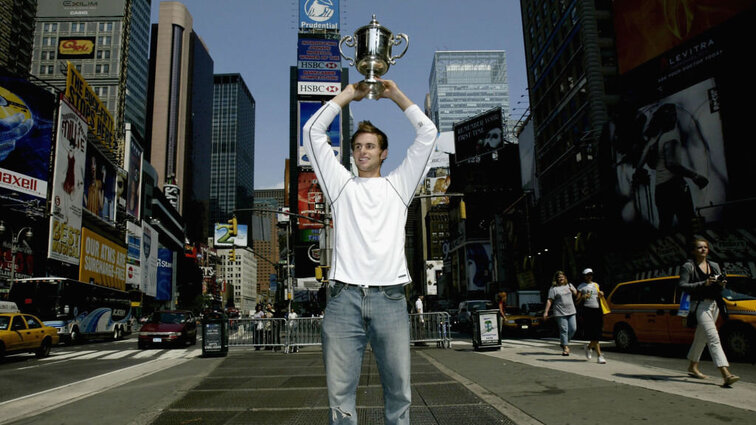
x=593, y=318
x=704, y=281
x=560, y=296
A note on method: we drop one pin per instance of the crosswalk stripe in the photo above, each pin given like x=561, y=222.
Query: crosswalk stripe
x=119, y=354
x=64, y=355
x=173, y=354
x=96, y=354
x=147, y=353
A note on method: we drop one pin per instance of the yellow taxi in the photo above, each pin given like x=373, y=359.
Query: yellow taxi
x=24, y=333
x=645, y=311
x=519, y=323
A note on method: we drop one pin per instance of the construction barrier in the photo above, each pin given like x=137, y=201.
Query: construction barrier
x=289, y=335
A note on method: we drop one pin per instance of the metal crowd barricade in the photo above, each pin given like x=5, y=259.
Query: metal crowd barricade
x=302, y=331
x=258, y=333
x=431, y=327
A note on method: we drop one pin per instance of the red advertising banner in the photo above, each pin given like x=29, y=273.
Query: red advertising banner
x=310, y=200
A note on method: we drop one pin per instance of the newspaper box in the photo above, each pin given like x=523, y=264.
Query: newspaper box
x=486, y=330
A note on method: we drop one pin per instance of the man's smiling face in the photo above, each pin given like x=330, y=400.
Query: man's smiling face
x=368, y=155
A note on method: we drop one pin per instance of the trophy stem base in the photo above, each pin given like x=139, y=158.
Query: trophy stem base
x=375, y=88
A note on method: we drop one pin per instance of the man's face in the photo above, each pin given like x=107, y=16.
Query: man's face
x=368, y=155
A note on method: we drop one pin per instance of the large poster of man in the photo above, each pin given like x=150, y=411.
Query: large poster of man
x=675, y=168
x=26, y=119
x=148, y=259
x=68, y=185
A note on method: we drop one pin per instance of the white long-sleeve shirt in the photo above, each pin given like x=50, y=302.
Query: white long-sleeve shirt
x=369, y=214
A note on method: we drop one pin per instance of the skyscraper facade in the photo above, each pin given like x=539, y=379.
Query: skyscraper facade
x=107, y=42
x=233, y=145
x=17, y=35
x=466, y=83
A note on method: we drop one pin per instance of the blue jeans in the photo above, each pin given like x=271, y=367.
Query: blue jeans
x=355, y=316
x=567, y=326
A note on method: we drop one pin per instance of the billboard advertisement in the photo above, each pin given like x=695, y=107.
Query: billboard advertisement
x=318, y=60
x=479, y=266
x=479, y=135
x=164, y=274
x=26, y=120
x=319, y=14
x=99, y=119
x=645, y=30
x=99, y=185
x=223, y=239
x=72, y=8
x=133, y=157
x=76, y=47
x=102, y=262
x=310, y=200
x=307, y=109
x=437, y=186
x=68, y=186
x=148, y=259
x=133, y=255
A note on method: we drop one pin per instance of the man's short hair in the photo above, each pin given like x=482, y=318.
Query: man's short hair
x=369, y=128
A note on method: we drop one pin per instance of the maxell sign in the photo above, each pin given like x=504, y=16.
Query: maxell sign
x=319, y=15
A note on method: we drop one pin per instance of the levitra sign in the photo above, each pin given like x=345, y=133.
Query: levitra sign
x=318, y=14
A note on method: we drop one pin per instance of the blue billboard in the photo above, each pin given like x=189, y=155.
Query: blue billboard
x=164, y=274
x=319, y=15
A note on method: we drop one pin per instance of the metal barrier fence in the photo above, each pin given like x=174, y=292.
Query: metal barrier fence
x=289, y=335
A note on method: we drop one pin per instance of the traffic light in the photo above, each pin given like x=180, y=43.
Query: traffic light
x=232, y=255
x=233, y=230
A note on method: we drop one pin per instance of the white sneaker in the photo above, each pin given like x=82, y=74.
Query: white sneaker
x=587, y=350
x=601, y=360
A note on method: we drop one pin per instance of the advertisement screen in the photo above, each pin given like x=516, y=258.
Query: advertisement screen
x=307, y=110
x=72, y=8
x=102, y=261
x=133, y=255
x=164, y=274
x=310, y=200
x=222, y=237
x=26, y=120
x=318, y=60
x=84, y=99
x=149, y=259
x=68, y=186
x=479, y=266
x=133, y=156
x=99, y=185
x=479, y=135
x=318, y=14
x=76, y=47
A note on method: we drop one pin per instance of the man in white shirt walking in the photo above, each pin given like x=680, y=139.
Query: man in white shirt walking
x=369, y=269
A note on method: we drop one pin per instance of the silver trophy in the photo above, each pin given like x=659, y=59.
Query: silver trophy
x=372, y=50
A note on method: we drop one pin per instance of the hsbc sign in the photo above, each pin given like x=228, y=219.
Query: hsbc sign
x=316, y=88
x=318, y=65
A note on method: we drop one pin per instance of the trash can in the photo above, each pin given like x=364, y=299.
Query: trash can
x=486, y=330
x=214, y=334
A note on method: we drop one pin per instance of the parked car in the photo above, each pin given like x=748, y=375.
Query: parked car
x=170, y=327
x=521, y=323
x=24, y=333
x=463, y=319
x=645, y=311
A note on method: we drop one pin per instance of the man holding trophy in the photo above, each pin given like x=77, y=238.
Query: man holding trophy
x=369, y=270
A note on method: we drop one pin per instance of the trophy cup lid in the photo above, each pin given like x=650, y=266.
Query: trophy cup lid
x=373, y=24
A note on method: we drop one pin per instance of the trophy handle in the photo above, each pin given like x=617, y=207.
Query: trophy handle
x=350, y=42
x=395, y=41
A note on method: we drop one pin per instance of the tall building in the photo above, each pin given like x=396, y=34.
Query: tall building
x=17, y=35
x=233, y=148
x=179, y=115
x=466, y=83
x=239, y=277
x=108, y=44
x=265, y=239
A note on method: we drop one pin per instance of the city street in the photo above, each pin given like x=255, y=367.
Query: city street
x=526, y=382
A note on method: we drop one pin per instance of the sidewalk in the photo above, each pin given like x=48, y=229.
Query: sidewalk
x=519, y=384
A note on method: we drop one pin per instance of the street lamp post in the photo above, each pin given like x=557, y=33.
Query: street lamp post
x=15, y=237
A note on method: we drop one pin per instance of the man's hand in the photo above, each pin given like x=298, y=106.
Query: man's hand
x=352, y=92
x=391, y=91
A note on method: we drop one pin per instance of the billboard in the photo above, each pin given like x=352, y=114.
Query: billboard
x=318, y=14
x=223, y=239
x=148, y=258
x=479, y=266
x=437, y=186
x=133, y=255
x=99, y=185
x=99, y=119
x=102, y=262
x=328, y=89
x=72, y=8
x=76, y=47
x=133, y=157
x=310, y=200
x=305, y=110
x=68, y=186
x=479, y=135
x=164, y=274
x=26, y=120
x=318, y=60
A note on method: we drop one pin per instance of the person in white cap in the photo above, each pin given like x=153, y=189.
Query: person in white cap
x=593, y=318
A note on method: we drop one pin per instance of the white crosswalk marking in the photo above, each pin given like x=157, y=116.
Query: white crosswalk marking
x=120, y=354
x=64, y=355
x=147, y=353
x=173, y=354
x=96, y=354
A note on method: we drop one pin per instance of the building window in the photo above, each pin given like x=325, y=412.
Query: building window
x=47, y=55
x=53, y=27
x=78, y=27
x=103, y=54
x=48, y=41
x=106, y=26
x=104, y=40
x=103, y=68
x=46, y=69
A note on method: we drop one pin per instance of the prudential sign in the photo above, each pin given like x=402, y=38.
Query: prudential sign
x=319, y=14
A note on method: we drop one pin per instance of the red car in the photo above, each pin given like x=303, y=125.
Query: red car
x=173, y=327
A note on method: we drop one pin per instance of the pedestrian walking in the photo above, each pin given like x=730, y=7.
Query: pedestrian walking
x=420, y=323
x=369, y=269
x=560, y=296
x=704, y=281
x=502, y=310
x=593, y=318
x=259, y=326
